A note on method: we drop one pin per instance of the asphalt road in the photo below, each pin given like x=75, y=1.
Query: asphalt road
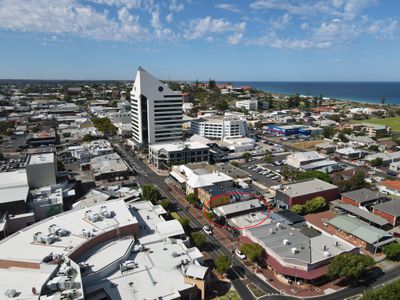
x=147, y=176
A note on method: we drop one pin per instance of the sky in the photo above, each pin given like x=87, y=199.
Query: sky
x=254, y=40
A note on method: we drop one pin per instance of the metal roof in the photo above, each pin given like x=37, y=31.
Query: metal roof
x=364, y=214
x=363, y=195
x=359, y=229
x=390, y=207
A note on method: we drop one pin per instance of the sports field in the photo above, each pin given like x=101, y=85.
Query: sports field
x=393, y=122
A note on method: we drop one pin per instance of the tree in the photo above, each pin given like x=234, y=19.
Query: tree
x=247, y=156
x=222, y=105
x=268, y=157
x=297, y=208
x=392, y=251
x=53, y=210
x=184, y=222
x=315, y=205
x=104, y=125
x=222, y=263
x=150, y=193
x=358, y=181
x=389, y=291
x=376, y=162
x=87, y=138
x=253, y=251
x=343, y=137
x=374, y=148
x=383, y=100
x=349, y=265
x=234, y=163
x=211, y=84
x=311, y=206
x=198, y=239
x=191, y=198
x=314, y=174
x=166, y=204
x=328, y=132
x=60, y=165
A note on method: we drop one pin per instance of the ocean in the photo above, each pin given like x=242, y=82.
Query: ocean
x=355, y=91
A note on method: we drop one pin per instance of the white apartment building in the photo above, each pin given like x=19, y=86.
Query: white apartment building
x=217, y=127
x=251, y=104
x=156, y=110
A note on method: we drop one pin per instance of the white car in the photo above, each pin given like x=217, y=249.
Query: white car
x=207, y=229
x=240, y=254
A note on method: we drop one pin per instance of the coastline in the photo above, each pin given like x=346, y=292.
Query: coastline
x=357, y=92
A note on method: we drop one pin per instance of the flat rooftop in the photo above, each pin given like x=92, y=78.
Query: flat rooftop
x=20, y=246
x=237, y=207
x=175, y=147
x=306, y=187
x=13, y=186
x=310, y=250
x=42, y=158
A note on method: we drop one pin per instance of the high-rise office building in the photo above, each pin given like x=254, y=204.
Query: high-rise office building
x=156, y=110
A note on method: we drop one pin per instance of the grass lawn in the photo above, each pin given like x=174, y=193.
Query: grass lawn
x=393, y=122
x=233, y=296
x=255, y=290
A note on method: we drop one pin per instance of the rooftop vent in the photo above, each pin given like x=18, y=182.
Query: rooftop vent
x=294, y=250
x=327, y=254
x=286, y=242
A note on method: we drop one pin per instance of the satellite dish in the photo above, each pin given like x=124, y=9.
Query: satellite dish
x=34, y=291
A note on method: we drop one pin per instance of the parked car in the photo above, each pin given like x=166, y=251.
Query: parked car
x=208, y=230
x=240, y=254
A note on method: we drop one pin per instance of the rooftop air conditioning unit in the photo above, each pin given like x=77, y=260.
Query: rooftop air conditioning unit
x=327, y=254
x=10, y=293
x=294, y=250
x=286, y=242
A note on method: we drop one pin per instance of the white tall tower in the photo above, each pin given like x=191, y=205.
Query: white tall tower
x=156, y=110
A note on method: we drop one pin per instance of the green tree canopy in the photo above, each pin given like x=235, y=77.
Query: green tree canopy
x=349, y=265
x=390, y=291
x=328, y=132
x=104, y=125
x=392, y=251
x=184, y=222
x=314, y=174
x=376, y=162
x=222, y=263
x=198, y=239
x=297, y=208
x=166, y=204
x=247, y=156
x=311, y=206
x=150, y=193
x=253, y=251
x=191, y=198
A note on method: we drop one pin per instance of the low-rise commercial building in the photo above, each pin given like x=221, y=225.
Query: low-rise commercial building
x=110, y=167
x=163, y=155
x=107, y=250
x=389, y=210
x=363, y=197
x=360, y=232
x=191, y=177
x=303, y=191
x=295, y=256
x=299, y=159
